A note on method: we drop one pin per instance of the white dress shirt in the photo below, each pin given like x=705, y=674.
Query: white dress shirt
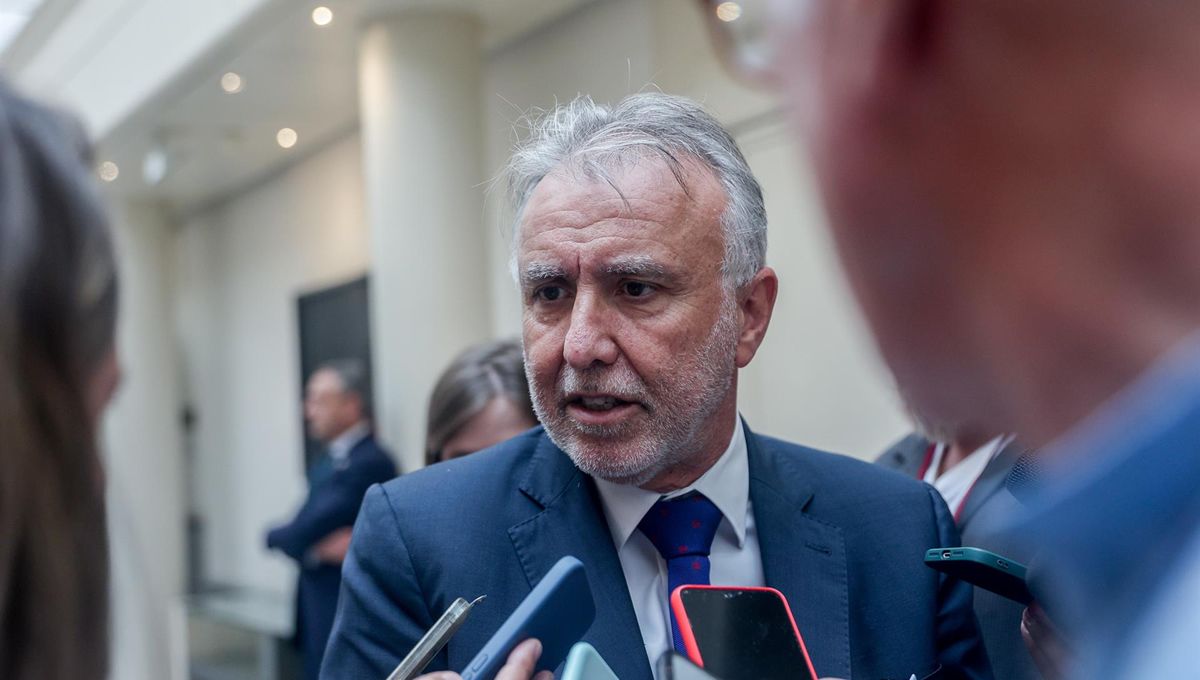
x=956, y=483
x=735, y=556
x=339, y=449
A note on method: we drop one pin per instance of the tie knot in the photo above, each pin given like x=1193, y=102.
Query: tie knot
x=682, y=527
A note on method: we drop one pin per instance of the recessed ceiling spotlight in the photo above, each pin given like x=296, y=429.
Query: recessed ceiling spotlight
x=729, y=11
x=232, y=83
x=108, y=171
x=155, y=165
x=322, y=16
x=286, y=137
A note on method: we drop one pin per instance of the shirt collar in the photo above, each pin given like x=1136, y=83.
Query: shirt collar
x=987, y=452
x=341, y=446
x=726, y=484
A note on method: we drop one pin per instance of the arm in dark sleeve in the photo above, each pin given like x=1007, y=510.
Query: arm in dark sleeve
x=381, y=610
x=329, y=507
x=960, y=645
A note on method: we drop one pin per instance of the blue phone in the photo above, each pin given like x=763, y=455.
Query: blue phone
x=558, y=611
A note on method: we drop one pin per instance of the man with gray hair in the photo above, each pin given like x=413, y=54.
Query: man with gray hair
x=639, y=252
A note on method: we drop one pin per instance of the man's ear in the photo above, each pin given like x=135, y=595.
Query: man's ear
x=756, y=303
x=886, y=45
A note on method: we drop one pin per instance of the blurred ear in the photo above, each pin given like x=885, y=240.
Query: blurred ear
x=886, y=46
x=756, y=303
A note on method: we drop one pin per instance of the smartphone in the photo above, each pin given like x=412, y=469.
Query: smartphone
x=585, y=663
x=558, y=611
x=984, y=569
x=675, y=666
x=741, y=633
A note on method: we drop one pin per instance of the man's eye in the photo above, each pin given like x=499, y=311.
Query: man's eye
x=636, y=289
x=548, y=293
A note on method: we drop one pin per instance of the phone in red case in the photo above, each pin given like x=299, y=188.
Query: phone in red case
x=741, y=633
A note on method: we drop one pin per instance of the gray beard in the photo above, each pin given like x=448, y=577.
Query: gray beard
x=677, y=410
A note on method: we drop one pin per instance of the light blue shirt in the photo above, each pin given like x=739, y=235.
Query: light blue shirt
x=1118, y=528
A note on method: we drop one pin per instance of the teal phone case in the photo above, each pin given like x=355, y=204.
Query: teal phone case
x=585, y=663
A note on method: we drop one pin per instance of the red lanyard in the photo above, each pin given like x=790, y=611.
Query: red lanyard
x=929, y=454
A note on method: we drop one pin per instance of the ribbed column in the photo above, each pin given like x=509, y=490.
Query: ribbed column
x=420, y=89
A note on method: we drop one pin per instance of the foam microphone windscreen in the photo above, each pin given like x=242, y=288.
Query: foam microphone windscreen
x=1025, y=480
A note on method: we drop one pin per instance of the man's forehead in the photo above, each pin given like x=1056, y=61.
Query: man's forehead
x=325, y=379
x=626, y=191
x=640, y=210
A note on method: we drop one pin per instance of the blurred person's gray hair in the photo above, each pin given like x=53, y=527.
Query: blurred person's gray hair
x=593, y=139
x=354, y=376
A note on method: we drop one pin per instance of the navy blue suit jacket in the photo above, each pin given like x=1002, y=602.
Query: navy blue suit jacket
x=843, y=540
x=332, y=503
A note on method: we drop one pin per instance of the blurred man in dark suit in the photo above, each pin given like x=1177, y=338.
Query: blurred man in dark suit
x=969, y=469
x=335, y=408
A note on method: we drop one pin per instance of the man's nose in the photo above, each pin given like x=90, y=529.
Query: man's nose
x=589, y=341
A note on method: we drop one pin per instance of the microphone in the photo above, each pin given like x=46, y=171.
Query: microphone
x=434, y=639
x=1026, y=480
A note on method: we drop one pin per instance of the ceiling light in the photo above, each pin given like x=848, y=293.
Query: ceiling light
x=154, y=166
x=286, y=137
x=108, y=171
x=729, y=11
x=231, y=83
x=322, y=16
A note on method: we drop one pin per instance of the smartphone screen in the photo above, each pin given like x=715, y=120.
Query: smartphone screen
x=675, y=666
x=745, y=634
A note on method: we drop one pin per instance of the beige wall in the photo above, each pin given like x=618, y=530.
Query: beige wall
x=241, y=267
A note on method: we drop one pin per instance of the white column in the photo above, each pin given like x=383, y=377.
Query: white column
x=420, y=89
x=143, y=448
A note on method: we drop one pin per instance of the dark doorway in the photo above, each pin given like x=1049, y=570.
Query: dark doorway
x=334, y=324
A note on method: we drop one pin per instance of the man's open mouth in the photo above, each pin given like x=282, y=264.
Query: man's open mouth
x=603, y=403
x=598, y=403
x=598, y=407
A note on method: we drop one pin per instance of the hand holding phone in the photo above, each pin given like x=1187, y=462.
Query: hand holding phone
x=558, y=611
x=984, y=569
x=519, y=666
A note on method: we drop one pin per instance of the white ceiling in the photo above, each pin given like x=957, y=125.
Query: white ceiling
x=14, y=14
x=295, y=75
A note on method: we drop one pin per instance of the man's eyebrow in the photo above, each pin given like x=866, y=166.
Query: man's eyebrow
x=537, y=272
x=636, y=265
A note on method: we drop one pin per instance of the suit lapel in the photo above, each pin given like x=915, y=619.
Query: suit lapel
x=990, y=481
x=571, y=522
x=907, y=456
x=803, y=557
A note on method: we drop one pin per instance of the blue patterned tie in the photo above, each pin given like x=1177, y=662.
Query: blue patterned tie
x=682, y=530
